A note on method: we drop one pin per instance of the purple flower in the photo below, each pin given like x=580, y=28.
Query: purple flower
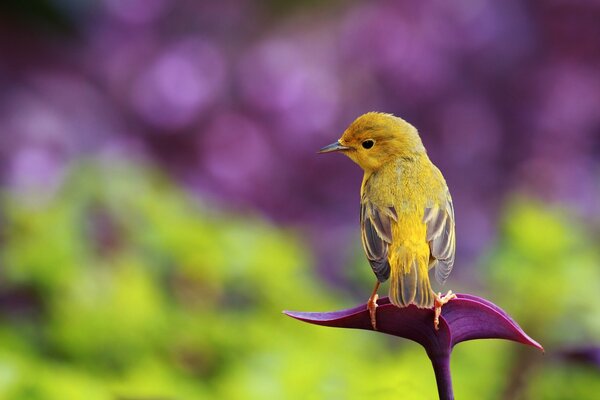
x=180, y=84
x=465, y=318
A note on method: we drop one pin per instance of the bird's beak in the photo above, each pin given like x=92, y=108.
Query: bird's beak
x=337, y=146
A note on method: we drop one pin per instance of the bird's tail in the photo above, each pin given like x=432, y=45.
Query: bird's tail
x=409, y=284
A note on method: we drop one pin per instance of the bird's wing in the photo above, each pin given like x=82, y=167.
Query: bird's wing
x=376, y=235
x=441, y=238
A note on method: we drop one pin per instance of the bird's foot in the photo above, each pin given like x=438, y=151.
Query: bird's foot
x=372, y=306
x=439, y=301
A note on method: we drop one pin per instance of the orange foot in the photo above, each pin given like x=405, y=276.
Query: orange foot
x=439, y=301
x=372, y=306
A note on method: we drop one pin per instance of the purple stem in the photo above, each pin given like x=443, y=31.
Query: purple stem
x=441, y=368
x=465, y=318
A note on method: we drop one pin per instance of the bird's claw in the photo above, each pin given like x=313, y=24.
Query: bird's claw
x=372, y=306
x=439, y=301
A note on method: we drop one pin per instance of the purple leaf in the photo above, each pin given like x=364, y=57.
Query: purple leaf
x=465, y=318
x=589, y=355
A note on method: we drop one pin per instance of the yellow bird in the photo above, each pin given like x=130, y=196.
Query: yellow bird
x=406, y=211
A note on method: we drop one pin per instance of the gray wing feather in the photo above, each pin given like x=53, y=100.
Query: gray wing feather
x=441, y=237
x=376, y=235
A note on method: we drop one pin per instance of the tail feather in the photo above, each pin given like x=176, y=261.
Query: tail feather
x=408, y=288
x=410, y=285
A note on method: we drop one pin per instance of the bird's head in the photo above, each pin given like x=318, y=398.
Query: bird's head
x=374, y=139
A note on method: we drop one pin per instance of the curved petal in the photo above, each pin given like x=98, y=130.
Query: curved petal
x=465, y=318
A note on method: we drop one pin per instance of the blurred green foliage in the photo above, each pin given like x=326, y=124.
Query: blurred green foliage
x=123, y=286
x=545, y=271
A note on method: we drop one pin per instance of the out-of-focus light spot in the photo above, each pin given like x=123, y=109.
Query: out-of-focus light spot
x=33, y=120
x=35, y=173
x=61, y=112
x=569, y=96
x=273, y=76
x=179, y=84
x=395, y=43
x=476, y=20
x=235, y=152
x=298, y=86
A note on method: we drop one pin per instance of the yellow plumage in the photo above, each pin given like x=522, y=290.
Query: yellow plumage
x=407, y=217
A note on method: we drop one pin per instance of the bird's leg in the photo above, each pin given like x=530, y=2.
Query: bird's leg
x=439, y=301
x=372, y=305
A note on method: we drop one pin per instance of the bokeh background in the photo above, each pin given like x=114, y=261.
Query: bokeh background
x=161, y=200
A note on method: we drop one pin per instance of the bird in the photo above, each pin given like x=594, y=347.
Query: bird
x=406, y=211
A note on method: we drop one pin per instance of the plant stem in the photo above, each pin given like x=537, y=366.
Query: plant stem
x=522, y=367
x=441, y=368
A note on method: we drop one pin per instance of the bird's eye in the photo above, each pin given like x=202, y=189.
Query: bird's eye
x=367, y=144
